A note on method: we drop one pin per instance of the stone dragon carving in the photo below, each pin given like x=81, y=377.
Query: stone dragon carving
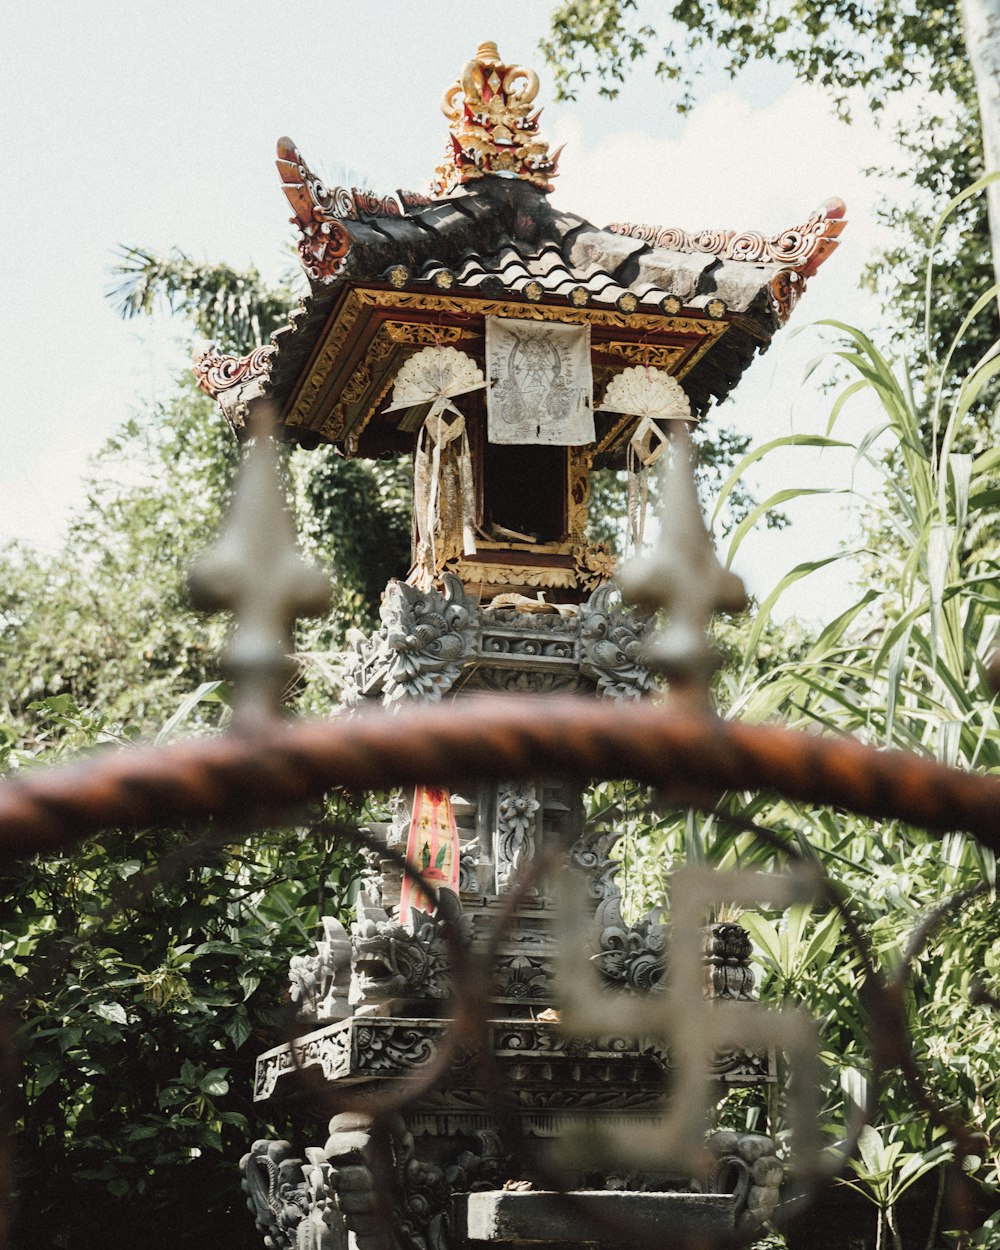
x=277, y=1192
x=423, y=642
x=319, y=983
x=391, y=960
x=611, y=647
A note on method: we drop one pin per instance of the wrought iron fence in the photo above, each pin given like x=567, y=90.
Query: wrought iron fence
x=265, y=768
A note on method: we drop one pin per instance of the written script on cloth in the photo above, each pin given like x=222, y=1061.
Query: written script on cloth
x=540, y=386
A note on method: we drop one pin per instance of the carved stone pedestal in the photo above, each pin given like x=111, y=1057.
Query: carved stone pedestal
x=517, y=1081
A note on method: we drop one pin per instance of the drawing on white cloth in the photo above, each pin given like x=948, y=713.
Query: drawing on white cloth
x=540, y=387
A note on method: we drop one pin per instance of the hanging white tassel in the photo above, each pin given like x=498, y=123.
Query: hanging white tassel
x=433, y=376
x=654, y=397
x=437, y=434
x=645, y=447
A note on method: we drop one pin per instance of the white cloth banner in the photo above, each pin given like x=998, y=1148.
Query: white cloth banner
x=540, y=387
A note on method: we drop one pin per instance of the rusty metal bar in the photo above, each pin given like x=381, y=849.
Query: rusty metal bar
x=691, y=753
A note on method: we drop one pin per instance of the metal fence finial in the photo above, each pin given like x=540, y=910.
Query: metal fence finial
x=256, y=569
x=682, y=576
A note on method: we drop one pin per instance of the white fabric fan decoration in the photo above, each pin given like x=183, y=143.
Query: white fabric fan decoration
x=435, y=376
x=653, y=396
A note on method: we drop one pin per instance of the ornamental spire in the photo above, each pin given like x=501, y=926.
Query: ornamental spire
x=493, y=129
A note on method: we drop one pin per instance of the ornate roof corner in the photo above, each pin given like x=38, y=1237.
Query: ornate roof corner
x=234, y=381
x=493, y=128
x=323, y=242
x=800, y=250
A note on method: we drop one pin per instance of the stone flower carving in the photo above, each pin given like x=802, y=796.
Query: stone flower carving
x=517, y=819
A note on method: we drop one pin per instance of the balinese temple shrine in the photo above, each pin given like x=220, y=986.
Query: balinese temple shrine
x=509, y=348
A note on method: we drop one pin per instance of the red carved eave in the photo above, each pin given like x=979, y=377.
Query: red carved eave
x=215, y=372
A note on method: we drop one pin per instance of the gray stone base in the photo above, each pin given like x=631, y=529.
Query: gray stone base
x=590, y=1217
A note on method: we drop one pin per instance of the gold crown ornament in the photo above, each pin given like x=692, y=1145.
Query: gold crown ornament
x=493, y=129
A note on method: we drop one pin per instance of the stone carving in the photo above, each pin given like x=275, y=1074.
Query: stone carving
x=320, y=982
x=591, y=853
x=611, y=647
x=522, y=976
x=631, y=957
x=468, y=868
x=746, y=1164
x=424, y=1189
x=328, y=1048
x=322, y=1227
x=424, y=640
x=277, y=1192
x=516, y=831
x=392, y=1049
x=513, y=681
x=727, y=959
x=392, y=961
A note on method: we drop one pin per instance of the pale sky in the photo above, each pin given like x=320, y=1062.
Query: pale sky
x=155, y=125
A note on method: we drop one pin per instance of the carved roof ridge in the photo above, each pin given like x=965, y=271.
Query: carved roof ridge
x=801, y=248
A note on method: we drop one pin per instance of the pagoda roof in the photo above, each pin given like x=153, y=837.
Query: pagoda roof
x=492, y=243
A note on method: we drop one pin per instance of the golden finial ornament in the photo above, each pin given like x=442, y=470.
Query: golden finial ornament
x=494, y=131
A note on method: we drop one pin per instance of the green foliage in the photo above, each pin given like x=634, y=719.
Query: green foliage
x=903, y=666
x=106, y=622
x=355, y=519
x=232, y=307
x=146, y=976
x=878, y=47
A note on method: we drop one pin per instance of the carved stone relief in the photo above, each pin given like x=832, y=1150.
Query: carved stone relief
x=611, y=647
x=319, y=983
x=392, y=961
x=517, y=830
x=419, y=650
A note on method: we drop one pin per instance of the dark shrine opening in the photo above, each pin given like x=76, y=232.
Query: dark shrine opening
x=524, y=492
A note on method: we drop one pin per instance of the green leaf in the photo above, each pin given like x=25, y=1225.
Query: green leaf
x=248, y=982
x=214, y=1083
x=114, y=1012
x=207, y=692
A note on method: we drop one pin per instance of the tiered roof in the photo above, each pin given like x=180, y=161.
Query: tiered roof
x=490, y=242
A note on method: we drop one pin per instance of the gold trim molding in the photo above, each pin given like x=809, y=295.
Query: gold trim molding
x=401, y=333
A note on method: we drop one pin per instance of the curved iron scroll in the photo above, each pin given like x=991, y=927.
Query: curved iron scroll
x=690, y=753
